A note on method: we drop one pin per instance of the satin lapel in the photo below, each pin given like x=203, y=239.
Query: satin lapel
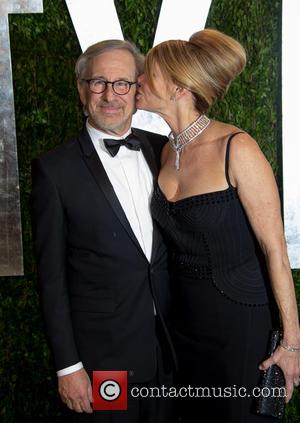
x=97, y=170
x=150, y=158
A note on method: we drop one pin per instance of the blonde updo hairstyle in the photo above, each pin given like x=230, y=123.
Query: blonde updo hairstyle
x=205, y=65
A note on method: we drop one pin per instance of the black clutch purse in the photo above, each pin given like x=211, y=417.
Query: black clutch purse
x=271, y=401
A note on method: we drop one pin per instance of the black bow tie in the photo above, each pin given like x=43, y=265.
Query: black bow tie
x=130, y=142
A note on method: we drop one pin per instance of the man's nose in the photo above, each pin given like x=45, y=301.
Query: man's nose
x=109, y=93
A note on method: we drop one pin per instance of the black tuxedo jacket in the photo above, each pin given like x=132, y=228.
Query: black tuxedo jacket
x=97, y=287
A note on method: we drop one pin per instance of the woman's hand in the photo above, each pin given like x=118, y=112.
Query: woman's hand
x=289, y=362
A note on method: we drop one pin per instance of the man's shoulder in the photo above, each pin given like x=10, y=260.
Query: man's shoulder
x=156, y=141
x=152, y=135
x=61, y=152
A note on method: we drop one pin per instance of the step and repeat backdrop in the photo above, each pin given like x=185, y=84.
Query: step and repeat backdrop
x=177, y=19
x=40, y=41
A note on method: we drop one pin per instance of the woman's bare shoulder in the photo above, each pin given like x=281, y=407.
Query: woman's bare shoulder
x=242, y=140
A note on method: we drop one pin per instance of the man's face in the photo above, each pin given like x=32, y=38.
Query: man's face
x=109, y=111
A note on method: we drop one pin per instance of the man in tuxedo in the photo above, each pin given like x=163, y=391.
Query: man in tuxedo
x=102, y=263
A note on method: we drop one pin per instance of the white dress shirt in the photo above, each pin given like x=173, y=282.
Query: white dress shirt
x=132, y=181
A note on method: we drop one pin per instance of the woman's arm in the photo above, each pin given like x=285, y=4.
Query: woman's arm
x=251, y=173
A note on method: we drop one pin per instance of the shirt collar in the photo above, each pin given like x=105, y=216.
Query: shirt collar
x=97, y=136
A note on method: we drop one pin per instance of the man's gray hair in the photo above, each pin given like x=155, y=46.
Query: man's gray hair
x=108, y=45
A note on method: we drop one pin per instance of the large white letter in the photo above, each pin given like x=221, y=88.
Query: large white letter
x=94, y=21
x=179, y=19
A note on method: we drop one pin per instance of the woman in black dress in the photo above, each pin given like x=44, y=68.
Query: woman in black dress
x=217, y=204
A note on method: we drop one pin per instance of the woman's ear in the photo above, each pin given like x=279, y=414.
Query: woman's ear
x=178, y=93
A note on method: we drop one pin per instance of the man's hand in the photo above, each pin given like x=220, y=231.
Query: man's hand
x=76, y=391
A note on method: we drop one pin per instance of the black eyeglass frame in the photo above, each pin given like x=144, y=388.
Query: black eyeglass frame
x=109, y=82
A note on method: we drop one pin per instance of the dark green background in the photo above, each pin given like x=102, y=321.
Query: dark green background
x=44, y=50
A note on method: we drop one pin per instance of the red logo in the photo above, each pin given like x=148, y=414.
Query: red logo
x=110, y=390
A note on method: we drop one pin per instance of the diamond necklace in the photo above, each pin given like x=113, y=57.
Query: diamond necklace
x=178, y=142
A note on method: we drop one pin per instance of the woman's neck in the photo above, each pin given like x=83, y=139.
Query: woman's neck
x=179, y=120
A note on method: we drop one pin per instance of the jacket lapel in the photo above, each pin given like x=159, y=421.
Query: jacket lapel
x=149, y=155
x=97, y=170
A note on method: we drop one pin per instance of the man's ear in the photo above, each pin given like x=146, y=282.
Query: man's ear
x=82, y=92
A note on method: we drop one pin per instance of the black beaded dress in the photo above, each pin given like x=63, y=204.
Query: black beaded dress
x=222, y=309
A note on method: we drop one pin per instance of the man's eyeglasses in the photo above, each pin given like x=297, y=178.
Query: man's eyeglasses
x=119, y=87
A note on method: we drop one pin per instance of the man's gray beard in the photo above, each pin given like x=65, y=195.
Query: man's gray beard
x=102, y=126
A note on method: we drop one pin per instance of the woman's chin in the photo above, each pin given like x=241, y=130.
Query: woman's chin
x=140, y=104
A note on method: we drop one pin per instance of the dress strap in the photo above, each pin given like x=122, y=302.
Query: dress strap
x=227, y=156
